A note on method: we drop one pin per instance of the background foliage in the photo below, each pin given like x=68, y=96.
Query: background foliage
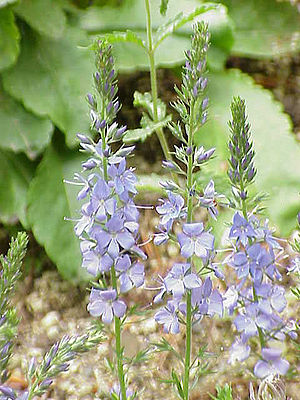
x=46, y=71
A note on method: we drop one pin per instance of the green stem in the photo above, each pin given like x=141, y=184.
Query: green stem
x=188, y=338
x=244, y=206
x=119, y=351
x=260, y=332
x=104, y=159
x=160, y=134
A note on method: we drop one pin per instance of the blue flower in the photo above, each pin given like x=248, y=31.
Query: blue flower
x=179, y=279
x=207, y=300
x=171, y=210
x=239, y=351
x=208, y=199
x=104, y=303
x=271, y=364
x=241, y=230
x=115, y=236
x=168, y=317
x=194, y=240
x=130, y=274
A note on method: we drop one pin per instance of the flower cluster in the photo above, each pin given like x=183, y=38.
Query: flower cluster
x=108, y=226
x=257, y=298
x=241, y=171
x=183, y=280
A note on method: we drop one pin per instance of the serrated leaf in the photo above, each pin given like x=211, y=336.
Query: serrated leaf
x=264, y=29
x=142, y=134
x=49, y=201
x=45, y=16
x=145, y=100
x=9, y=39
x=20, y=130
x=178, y=21
x=277, y=152
x=127, y=36
x=4, y=3
x=60, y=74
x=15, y=174
x=131, y=15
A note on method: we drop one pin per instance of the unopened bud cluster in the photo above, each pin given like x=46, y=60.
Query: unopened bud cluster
x=241, y=171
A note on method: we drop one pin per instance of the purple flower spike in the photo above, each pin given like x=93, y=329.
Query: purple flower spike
x=271, y=364
x=168, y=317
x=104, y=303
x=194, y=240
x=241, y=230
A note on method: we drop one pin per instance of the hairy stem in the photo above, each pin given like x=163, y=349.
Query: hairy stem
x=188, y=339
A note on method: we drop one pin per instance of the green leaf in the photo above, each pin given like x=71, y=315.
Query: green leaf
x=265, y=28
x=145, y=100
x=178, y=21
x=21, y=130
x=15, y=174
x=4, y=3
x=131, y=15
x=223, y=393
x=50, y=200
x=127, y=36
x=277, y=152
x=60, y=74
x=45, y=16
x=163, y=7
x=9, y=39
x=148, y=127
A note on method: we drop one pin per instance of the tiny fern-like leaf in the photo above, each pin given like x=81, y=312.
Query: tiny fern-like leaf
x=128, y=36
x=178, y=21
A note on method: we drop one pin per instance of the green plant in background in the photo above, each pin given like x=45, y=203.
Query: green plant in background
x=223, y=393
x=39, y=375
x=44, y=73
x=9, y=275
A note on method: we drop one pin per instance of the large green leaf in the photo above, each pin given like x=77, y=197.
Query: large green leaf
x=51, y=78
x=9, y=39
x=264, y=28
x=277, y=152
x=15, y=174
x=131, y=15
x=45, y=16
x=50, y=200
x=20, y=130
